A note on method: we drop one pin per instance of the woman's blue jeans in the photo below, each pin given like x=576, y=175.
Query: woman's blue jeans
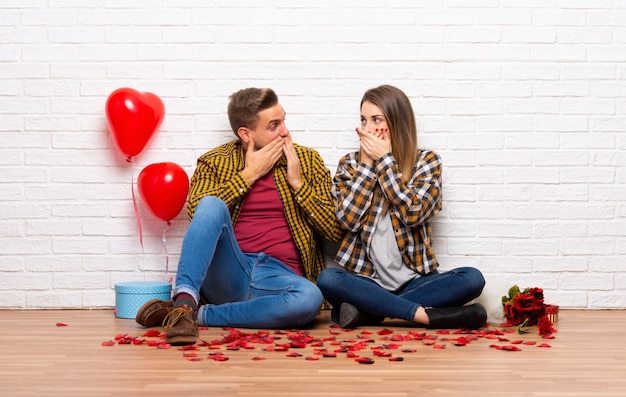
x=452, y=288
x=243, y=290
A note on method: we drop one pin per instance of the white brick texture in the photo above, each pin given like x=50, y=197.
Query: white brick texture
x=525, y=101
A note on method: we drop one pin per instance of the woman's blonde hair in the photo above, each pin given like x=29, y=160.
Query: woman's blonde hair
x=398, y=112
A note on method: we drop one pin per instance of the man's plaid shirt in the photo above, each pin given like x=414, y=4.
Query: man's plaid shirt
x=310, y=211
x=361, y=193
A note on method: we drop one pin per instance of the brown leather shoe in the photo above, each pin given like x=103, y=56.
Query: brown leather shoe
x=182, y=326
x=152, y=313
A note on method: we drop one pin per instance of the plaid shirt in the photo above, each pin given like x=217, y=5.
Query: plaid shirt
x=361, y=194
x=310, y=211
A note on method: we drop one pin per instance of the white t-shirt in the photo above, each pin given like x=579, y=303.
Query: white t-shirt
x=391, y=273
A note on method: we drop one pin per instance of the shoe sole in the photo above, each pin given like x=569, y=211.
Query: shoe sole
x=348, y=315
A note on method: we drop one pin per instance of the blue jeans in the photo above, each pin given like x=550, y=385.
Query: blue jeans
x=243, y=290
x=452, y=288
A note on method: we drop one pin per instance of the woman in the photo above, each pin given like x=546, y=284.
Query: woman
x=386, y=194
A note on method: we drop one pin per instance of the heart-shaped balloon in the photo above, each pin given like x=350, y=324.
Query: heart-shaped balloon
x=133, y=118
x=164, y=187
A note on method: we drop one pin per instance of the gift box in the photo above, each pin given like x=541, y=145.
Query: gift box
x=552, y=311
x=130, y=296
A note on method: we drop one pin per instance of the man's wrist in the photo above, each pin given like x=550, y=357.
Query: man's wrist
x=248, y=176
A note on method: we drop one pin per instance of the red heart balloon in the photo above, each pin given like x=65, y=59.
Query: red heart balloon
x=133, y=118
x=164, y=187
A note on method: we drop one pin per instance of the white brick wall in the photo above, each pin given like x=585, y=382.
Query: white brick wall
x=526, y=104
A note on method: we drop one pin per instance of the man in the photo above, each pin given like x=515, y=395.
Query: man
x=259, y=208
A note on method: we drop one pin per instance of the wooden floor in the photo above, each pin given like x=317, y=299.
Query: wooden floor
x=41, y=358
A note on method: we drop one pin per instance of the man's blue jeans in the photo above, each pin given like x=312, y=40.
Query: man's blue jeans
x=452, y=288
x=243, y=290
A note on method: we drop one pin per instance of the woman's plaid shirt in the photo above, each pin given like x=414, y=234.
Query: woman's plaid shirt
x=362, y=193
x=310, y=211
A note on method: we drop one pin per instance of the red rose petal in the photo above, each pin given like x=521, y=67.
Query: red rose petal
x=544, y=345
x=298, y=344
x=61, y=325
x=151, y=333
x=461, y=341
x=108, y=343
x=396, y=358
x=364, y=360
x=312, y=358
x=506, y=347
x=258, y=358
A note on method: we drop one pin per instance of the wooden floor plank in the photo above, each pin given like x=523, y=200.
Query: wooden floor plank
x=39, y=358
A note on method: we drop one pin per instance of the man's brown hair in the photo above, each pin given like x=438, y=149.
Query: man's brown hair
x=245, y=105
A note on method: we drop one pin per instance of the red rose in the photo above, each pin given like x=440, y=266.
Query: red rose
x=537, y=293
x=524, y=307
x=545, y=326
x=524, y=302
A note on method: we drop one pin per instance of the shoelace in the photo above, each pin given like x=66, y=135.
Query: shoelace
x=176, y=314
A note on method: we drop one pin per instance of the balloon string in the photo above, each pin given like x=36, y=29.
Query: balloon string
x=136, y=208
x=164, y=249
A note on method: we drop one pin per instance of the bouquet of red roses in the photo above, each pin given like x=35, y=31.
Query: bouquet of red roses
x=524, y=307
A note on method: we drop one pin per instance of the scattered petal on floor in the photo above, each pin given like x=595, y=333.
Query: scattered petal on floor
x=506, y=347
x=380, y=343
x=151, y=333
